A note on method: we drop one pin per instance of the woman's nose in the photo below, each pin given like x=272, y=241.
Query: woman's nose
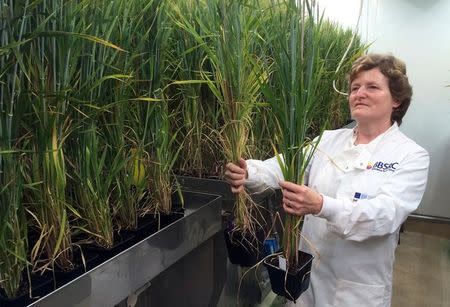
x=361, y=91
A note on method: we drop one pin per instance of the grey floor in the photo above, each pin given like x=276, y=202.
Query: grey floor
x=422, y=267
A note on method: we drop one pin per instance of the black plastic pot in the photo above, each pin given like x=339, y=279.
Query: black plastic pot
x=82, y=263
x=244, y=250
x=21, y=300
x=146, y=226
x=167, y=219
x=122, y=241
x=40, y=286
x=297, y=280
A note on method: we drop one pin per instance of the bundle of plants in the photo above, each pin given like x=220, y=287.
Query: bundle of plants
x=293, y=93
x=94, y=177
x=193, y=103
x=129, y=186
x=112, y=89
x=13, y=223
x=48, y=206
x=24, y=99
x=150, y=115
x=130, y=192
x=229, y=39
x=49, y=58
x=13, y=229
x=163, y=156
x=105, y=93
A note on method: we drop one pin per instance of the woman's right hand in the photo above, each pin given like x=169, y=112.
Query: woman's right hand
x=236, y=175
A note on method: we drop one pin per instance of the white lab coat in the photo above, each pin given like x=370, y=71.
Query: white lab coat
x=368, y=192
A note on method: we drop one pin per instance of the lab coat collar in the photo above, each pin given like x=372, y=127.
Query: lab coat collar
x=372, y=144
x=358, y=156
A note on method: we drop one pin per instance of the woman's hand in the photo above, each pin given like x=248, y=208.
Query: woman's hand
x=300, y=199
x=235, y=175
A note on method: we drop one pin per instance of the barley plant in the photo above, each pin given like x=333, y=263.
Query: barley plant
x=47, y=47
x=94, y=165
x=13, y=224
x=151, y=116
x=50, y=69
x=229, y=39
x=92, y=189
x=197, y=112
x=30, y=80
x=299, y=92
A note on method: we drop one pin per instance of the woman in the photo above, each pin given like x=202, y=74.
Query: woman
x=361, y=185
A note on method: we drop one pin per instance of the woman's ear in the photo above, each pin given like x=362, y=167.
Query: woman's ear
x=395, y=104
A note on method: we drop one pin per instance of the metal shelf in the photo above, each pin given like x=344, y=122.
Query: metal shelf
x=131, y=270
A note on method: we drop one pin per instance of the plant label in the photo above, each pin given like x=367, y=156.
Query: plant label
x=282, y=263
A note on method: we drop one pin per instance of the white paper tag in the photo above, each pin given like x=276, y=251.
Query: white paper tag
x=282, y=263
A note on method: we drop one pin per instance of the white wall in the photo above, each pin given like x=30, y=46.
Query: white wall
x=418, y=32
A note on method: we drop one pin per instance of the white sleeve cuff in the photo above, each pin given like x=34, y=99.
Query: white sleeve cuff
x=263, y=174
x=330, y=209
x=251, y=171
x=252, y=182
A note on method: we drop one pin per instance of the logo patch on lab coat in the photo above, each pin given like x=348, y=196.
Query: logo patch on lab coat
x=359, y=196
x=383, y=166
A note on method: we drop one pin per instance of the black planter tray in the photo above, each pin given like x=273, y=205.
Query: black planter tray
x=295, y=282
x=244, y=250
x=42, y=284
x=129, y=270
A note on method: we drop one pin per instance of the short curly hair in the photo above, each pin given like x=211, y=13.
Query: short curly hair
x=394, y=70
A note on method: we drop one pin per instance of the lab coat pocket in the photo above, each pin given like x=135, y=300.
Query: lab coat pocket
x=353, y=294
x=368, y=184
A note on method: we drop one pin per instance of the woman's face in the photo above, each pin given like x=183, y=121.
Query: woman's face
x=370, y=99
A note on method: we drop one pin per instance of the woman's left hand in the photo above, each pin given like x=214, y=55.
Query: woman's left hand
x=300, y=199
